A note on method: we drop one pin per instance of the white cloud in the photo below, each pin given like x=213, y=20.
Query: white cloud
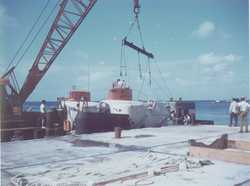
x=229, y=77
x=207, y=71
x=205, y=30
x=217, y=60
x=6, y=20
x=224, y=35
x=230, y=57
x=210, y=59
x=102, y=63
x=166, y=74
x=82, y=55
x=219, y=67
x=233, y=58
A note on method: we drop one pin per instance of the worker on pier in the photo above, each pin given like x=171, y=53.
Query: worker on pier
x=243, y=109
x=186, y=119
x=43, y=113
x=233, y=111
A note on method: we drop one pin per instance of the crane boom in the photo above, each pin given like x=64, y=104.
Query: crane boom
x=64, y=26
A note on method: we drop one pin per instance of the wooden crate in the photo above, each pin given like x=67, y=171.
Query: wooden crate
x=220, y=150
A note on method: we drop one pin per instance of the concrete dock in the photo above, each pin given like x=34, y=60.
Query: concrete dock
x=100, y=158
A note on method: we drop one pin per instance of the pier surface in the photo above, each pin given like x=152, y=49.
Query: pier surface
x=100, y=157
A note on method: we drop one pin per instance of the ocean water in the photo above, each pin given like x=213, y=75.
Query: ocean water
x=205, y=110
x=217, y=112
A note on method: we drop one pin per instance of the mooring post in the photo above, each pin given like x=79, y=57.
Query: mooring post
x=118, y=131
x=192, y=118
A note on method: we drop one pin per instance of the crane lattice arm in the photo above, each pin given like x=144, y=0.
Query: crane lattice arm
x=64, y=26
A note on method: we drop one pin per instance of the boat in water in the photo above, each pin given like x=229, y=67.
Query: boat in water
x=217, y=101
x=119, y=110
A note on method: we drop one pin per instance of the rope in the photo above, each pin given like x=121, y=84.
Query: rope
x=138, y=24
x=131, y=26
x=139, y=65
x=141, y=180
x=164, y=170
x=38, y=33
x=127, y=68
x=142, y=82
x=159, y=86
x=149, y=72
x=152, y=89
x=27, y=36
x=148, y=64
x=147, y=84
x=140, y=31
x=121, y=61
x=163, y=78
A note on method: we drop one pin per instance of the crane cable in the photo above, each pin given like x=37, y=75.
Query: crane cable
x=160, y=87
x=137, y=11
x=27, y=37
x=163, y=78
x=147, y=84
x=38, y=32
x=155, y=82
x=138, y=24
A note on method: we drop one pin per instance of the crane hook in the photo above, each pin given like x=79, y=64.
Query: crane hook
x=136, y=7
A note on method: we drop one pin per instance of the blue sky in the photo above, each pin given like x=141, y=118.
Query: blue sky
x=200, y=46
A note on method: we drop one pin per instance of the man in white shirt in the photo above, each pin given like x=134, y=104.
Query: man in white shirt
x=243, y=108
x=123, y=84
x=186, y=119
x=233, y=111
x=43, y=113
x=119, y=83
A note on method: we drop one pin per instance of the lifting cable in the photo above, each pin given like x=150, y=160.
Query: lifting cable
x=136, y=11
x=137, y=19
x=147, y=84
x=160, y=87
x=142, y=82
x=127, y=64
x=138, y=24
x=139, y=65
x=149, y=72
x=26, y=37
x=150, y=76
x=121, y=62
x=38, y=32
x=162, y=77
x=150, y=88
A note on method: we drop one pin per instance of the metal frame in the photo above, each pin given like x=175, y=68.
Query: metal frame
x=53, y=43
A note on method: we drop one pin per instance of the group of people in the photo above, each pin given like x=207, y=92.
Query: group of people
x=235, y=109
x=119, y=84
x=241, y=109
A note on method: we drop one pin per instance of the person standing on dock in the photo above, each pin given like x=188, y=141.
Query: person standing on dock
x=233, y=111
x=243, y=108
x=43, y=113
